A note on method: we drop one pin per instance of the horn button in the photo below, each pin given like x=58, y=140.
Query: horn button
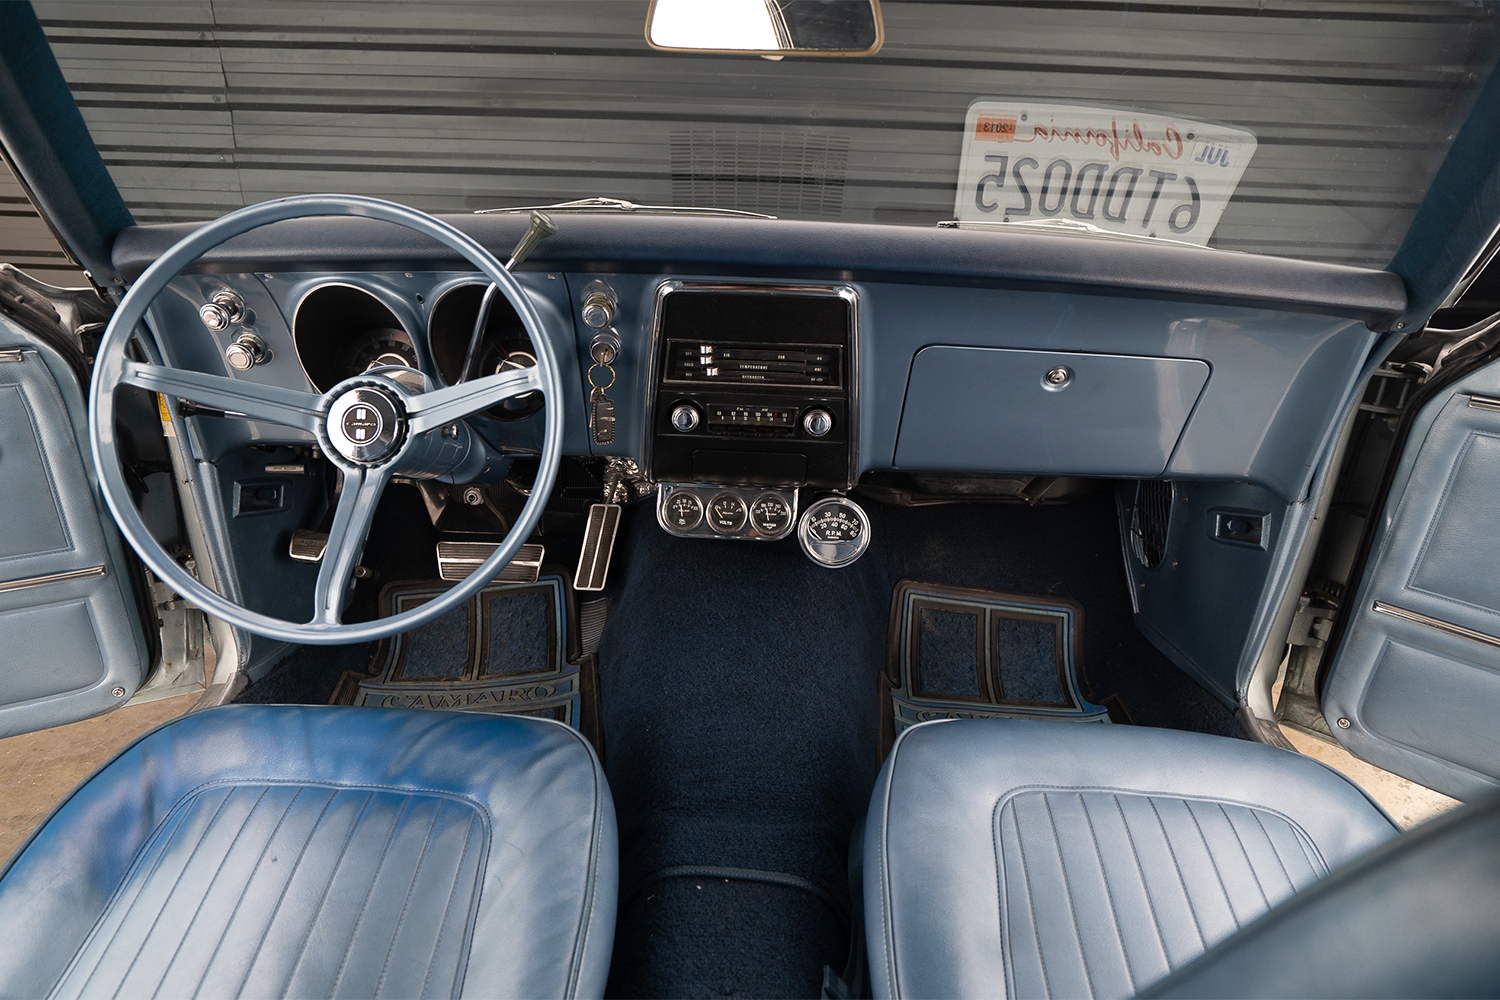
x=365, y=425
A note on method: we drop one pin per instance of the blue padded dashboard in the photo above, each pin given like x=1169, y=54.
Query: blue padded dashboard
x=1187, y=363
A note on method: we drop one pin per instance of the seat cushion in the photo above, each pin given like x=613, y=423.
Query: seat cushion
x=1029, y=858
x=321, y=851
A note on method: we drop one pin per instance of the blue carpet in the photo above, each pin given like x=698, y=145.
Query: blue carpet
x=741, y=711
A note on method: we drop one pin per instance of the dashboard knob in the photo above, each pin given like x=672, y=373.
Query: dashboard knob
x=598, y=310
x=817, y=422
x=246, y=352
x=222, y=311
x=685, y=417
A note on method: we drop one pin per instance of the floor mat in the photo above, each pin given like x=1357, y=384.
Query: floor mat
x=965, y=653
x=506, y=649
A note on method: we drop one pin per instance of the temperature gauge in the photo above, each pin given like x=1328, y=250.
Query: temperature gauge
x=834, y=532
x=684, y=511
x=770, y=515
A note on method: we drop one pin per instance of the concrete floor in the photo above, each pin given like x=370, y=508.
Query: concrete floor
x=1408, y=802
x=37, y=770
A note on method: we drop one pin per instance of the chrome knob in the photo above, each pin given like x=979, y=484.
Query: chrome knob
x=817, y=422
x=246, y=352
x=685, y=417
x=222, y=311
x=598, y=310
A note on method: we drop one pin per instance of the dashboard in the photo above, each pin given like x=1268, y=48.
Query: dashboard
x=734, y=362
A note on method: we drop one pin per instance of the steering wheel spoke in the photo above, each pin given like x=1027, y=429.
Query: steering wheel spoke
x=247, y=400
x=440, y=407
x=346, y=541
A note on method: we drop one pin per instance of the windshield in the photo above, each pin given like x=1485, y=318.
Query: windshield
x=1303, y=130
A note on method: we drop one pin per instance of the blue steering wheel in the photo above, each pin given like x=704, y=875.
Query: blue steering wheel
x=370, y=426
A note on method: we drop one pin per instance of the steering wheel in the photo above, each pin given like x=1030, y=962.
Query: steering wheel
x=370, y=426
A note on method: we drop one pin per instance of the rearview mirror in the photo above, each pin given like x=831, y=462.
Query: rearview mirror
x=766, y=27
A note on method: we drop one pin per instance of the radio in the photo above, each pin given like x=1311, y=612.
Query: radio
x=753, y=386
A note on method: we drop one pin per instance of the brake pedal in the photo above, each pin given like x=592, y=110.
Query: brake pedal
x=457, y=560
x=598, y=547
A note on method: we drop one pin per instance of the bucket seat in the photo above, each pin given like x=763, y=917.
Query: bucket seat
x=1035, y=859
x=322, y=851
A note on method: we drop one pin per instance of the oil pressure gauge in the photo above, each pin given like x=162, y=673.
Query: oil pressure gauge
x=834, y=532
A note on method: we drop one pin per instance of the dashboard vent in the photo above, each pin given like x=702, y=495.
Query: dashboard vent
x=775, y=173
x=1150, y=516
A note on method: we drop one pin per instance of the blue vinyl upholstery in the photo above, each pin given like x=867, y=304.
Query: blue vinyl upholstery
x=1417, y=700
x=1037, y=859
x=320, y=851
x=68, y=644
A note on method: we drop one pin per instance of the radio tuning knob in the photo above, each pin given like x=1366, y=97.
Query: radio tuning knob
x=817, y=422
x=685, y=417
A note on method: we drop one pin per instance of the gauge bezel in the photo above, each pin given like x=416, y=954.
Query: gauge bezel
x=708, y=509
x=791, y=515
x=861, y=544
x=706, y=493
x=697, y=504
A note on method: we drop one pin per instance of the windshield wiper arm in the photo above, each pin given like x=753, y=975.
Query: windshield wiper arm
x=602, y=204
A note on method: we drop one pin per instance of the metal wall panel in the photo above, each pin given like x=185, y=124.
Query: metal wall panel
x=25, y=240
x=202, y=107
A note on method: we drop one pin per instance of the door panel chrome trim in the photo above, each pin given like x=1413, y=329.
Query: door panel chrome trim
x=1484, y=403
x=1442, y=626
x=9, y=586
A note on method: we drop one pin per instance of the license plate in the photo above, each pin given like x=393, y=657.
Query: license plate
x=1122, y=171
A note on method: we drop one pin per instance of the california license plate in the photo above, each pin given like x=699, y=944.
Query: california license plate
x=1122, y=171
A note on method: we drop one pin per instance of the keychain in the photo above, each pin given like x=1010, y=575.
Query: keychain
x=601, y=407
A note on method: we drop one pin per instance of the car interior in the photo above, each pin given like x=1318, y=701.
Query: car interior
x=1090, y=397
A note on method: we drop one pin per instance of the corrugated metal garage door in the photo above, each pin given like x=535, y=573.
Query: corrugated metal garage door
x=201, y=107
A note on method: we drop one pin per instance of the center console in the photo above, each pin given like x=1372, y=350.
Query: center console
x=753, y=386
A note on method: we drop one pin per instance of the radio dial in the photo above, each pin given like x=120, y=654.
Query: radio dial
x=817, y=422
x=685, y=417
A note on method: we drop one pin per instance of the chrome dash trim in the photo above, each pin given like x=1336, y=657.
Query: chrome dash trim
x=1441, y=626
x=1484, y=403
x=8, y=586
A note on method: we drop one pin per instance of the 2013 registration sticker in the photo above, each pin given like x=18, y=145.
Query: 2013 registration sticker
x=1123, y=171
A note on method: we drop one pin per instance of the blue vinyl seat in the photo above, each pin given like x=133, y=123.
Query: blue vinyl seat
x=319, y=852
x=1052, y=859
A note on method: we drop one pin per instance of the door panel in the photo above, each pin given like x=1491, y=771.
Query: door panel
x=1416, y=680
x=70, y=632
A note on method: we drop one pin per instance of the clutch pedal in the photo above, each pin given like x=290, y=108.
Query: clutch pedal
x=457, y=560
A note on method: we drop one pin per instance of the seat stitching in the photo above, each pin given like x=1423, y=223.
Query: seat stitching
x=1114, y=912
x=240, y=901
x=1041, y=956
x=888, y=932
x=448, y=910
x=1177, y=866
x=1248, y=862
x=208, y=891
x=271, y=920
x=1068, y=895
x=160, y=837
x=1315, y=859
x=1140, y=871
x=416, y=876
x=327, y=888
x=374, y=878
x=1007, y=949
x=1214, y=863
x=1275, y=851
x=175, y=883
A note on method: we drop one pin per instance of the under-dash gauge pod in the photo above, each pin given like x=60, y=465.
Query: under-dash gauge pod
x=834, y=532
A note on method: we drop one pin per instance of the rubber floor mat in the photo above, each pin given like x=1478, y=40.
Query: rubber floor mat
x=962, y=653
x=509, y=649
